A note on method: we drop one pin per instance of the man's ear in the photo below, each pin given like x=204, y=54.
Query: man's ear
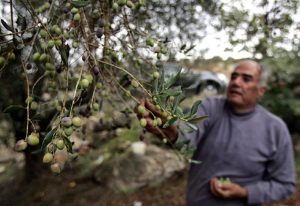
x=261, y=91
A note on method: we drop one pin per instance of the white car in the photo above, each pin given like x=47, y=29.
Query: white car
x=195, y=82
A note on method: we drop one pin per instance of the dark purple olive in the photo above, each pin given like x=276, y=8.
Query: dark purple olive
x=99, y=33
x=66, y=10
x=58, y=68
x=28, y=66
x=95, y=70
x=142, y=137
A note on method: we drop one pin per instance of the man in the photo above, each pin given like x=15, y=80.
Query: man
x=241, y=141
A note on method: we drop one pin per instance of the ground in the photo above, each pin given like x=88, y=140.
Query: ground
x=64, y=190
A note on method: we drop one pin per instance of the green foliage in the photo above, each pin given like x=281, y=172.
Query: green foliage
x=281, y=97
x=187, y=150
x=168, y=97
x=261, y=33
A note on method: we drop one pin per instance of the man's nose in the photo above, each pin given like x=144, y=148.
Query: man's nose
x=236, y=81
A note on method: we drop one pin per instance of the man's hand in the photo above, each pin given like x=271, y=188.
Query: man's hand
x=227, y=190
x=170, y=132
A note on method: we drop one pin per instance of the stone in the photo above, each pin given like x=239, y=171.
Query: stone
x=130, y=171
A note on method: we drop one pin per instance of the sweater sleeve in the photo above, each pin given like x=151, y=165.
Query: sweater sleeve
x=281, y=179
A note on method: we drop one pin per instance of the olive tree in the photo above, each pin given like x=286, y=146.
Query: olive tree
x=60, y=59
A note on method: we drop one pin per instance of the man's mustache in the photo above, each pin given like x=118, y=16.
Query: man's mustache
x=236, y=89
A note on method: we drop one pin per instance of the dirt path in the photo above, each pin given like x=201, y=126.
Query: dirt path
x=64, y=190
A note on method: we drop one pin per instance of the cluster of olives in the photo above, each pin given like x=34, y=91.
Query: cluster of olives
x=158, y=47
x=67, y=126
x=43, y=7
x=10, y=57
x=156, y=122
x=224, y=180
x=50, y=39
x=33, y=139
x=76, y=14
x=33, y=104
x=120, y=3
x=86, y=81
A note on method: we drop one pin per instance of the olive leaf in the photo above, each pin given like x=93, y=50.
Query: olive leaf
x=48, y=138
x=68, y=144
x=80, y=3
x=177, y=101
x=179, y=112
x=6, y=26
x=180, y=144
x=173, y=80
x=172, y=92
x=170, y=122
x=12, y=108
x=195, y=107
x=194, y=161
x=197, y=119
x=189, y=49
x=186, y=129
x=193, y=127
x=182, y=47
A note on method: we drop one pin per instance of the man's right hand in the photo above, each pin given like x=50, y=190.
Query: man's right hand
x=170, y=133
x=227, y=190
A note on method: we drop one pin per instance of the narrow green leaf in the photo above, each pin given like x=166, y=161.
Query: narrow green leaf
x=48, y=138
x=64, y=56
x=188, y=130
x=6, y=25
x=189, y=49
x=176, y=102
x=156, y=83
x=170, y=122
x=172, y=92
x=194, y=161
x=193, y=127
x=179, y=112
x=80, y=3
x=161, y=100
x=68, y=144
x=161, y=82
x=173, y=80
x=37, y=116
x=195, y=107
x=182, y=47
x=180, y=144
x=197, y=119
x=12, y=108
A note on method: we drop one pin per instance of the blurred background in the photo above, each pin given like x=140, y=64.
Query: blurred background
x=110, y=159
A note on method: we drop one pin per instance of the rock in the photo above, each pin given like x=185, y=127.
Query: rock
x=132, y=170
x=138, y=148
x=2, y=169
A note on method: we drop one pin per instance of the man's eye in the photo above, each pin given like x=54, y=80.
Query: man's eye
x=233, y=76
x=247, y=79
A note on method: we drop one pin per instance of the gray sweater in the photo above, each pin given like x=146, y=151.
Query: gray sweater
x=252, y=149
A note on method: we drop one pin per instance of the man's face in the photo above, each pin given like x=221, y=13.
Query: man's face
x=244, y=90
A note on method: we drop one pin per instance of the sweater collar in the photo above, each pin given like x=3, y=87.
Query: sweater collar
x=240, y=114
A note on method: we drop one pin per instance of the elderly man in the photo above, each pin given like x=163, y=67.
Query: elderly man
x=241, y=141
